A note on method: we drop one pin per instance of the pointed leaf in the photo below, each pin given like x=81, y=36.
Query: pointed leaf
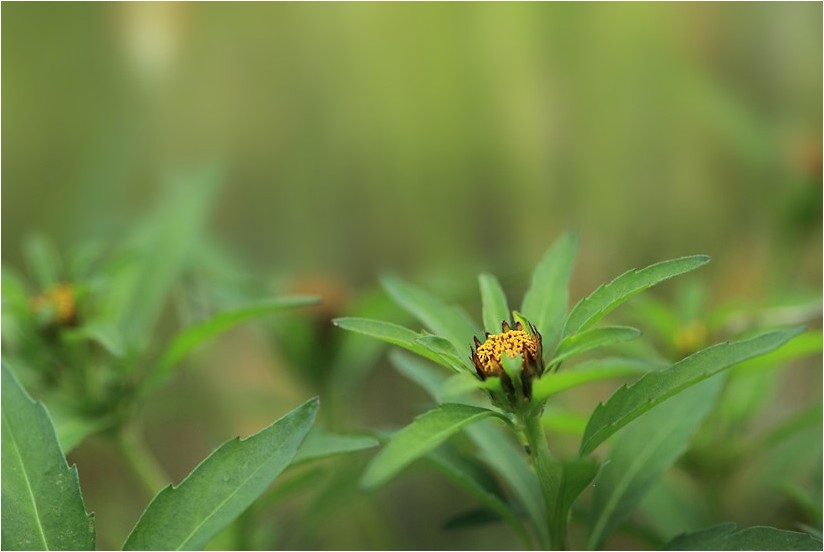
x=509, y=462
x=320, y=444
x=444, y=349
x=576, y=475
x=426, y=432
x=586, y=372
x=725, y=537
x=642, y=452
x=628, y=403
x=546, y=301
x=592, y=339
x=186, y=341
x=607, y=297
x=390, y=333
x=42, y=508
x=476, y=517
x=426, y=376
x=493, y=299
x=479, y=482
x=221, y=487
x=449, y=321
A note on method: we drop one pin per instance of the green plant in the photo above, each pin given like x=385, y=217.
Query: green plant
x=88, y=335
x=518, y=368
x=43, y=507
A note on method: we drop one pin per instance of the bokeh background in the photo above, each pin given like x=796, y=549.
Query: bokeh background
x=430, y=140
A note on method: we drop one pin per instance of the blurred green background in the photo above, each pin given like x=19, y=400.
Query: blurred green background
x=432, y=140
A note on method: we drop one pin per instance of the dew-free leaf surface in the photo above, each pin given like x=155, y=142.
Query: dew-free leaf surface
x=495, y=309
x=546, y=301
x=42, y=507
x=592, y=339
x=725, y=537
x=390, y=333
x=186, y=341
x=609, y=296
x=640, y=454
x=629, y=402
x=426, y=432
x=442, y=319
x=221, y=487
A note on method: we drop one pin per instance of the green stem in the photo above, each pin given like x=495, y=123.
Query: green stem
x=139, y=459
x=549, y=476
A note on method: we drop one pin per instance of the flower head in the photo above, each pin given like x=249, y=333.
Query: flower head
x=59, y=304
x=520, y=341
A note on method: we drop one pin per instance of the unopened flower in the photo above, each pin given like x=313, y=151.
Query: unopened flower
x=518, y=342
x=58, y=305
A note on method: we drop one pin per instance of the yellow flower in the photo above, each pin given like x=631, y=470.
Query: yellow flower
x=525, y=343
x=58, y=303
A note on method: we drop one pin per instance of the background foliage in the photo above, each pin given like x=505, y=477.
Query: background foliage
x=436, y=141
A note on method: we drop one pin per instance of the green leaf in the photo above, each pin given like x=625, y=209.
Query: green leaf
x=557, y=420
x=105, y=335
x=221, y=487
x=163, y=247
x=320, y=444
x=510, y=463
x=427, y=377
x=547, y=299
x=469, y=519
x=592, y=339
x=642, y=452
x=725, y=537
x=426, y=432
x=479, y=482
x=43, y=261
x=186, y=341
x=42, y=507
x=495, y=308
x=390, y=333
x=444, y=348
x=586, y=372
x=627, y=403
x=609, y=296
x=71, y=426
x=449, y=321
x=576, y=475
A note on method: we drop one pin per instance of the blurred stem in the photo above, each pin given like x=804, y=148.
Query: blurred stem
x=139, y=459
x=549, y=475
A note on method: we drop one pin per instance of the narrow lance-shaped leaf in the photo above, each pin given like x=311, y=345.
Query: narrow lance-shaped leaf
x=495, y=308
x=390, y=333
x=576, y=475
x=449, y=321
x=609, y=296
x=320, y=444
x=426, y=432
x=499, y=452
x=426, y=376
x=592, y=339
x=480, y=483
x=496, y=450
x=186, y=341
x=641, y=453
x=725, y=537
x=627, y=403
x=596, y=370
x=42, y=507
x=444, y=349
x=221, y=487
x=546, y=301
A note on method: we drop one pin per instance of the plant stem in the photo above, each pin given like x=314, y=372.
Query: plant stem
x=139, y=459
x=549, y=475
